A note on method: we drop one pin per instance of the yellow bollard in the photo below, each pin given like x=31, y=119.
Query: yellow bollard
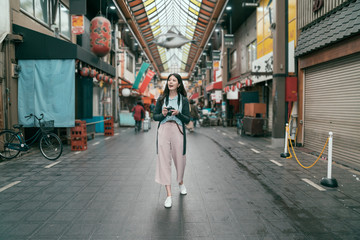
x=328, y=181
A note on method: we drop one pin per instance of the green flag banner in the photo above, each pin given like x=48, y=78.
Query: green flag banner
x=141, y=72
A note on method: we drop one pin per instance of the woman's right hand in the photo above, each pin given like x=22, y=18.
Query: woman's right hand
x=164, y=111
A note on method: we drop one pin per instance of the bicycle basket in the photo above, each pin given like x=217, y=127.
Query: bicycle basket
x=47, y=125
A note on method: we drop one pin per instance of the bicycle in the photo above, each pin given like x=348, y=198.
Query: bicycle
x=12, y=142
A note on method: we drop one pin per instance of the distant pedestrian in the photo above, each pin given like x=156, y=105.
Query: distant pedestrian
x=172, y=112
x=139, y=115
x=152, y=109
x=194, y=114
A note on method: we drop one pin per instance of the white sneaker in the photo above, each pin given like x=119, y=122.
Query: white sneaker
x=168, y=202
x=182, y=189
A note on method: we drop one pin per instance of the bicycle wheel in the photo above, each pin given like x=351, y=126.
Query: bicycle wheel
x=51, y=146
x=9, y=144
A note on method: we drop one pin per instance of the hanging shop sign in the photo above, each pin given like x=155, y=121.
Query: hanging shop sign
x=140, y=74
x=150, y=74
x=216, y=65
x=229, y=40
x=100, y=36
x=218, y=96
x=232, y=95
x=216, y=55
x=208, y=64
x=77, y=24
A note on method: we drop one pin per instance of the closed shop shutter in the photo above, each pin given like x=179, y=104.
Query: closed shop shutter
x=332, y=103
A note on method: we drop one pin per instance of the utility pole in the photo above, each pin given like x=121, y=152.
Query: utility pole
x=117, y=98
x=280, y=72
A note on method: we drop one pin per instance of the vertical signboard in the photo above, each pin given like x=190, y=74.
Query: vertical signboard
x=77, y=24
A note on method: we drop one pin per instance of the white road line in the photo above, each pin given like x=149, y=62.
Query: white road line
x=224, y=134
x=241, y=143
x=313, y=184
x=96, y=143
x=77, y=152
x=107, y=138
x=116, y=134
x=217, y=130
x=9, y=185
x=53, y=164
x=231, y=137
x=254, y=150
x=277, y=163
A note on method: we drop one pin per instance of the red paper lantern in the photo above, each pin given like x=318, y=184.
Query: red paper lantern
x=92, y=73
x=100, y=36
x=110, y=81
x=84, y=72
x=100, y=77
x=106, y=78
x=238, y=85
x=233, y=88
x=248, y=82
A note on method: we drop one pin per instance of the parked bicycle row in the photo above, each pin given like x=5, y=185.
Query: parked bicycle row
x=12, y=141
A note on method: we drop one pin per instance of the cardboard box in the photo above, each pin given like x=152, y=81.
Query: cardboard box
x=255, y=110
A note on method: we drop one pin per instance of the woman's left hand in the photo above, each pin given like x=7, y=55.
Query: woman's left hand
x=175, y=112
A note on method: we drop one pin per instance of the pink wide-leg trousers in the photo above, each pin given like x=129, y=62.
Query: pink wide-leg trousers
x=170, y=147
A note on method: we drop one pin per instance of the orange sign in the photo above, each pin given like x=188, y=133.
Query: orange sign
x=77, y=24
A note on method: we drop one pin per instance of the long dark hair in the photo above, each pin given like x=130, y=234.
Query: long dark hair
x=181, y=89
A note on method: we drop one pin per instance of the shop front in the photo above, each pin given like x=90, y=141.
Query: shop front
x=329, y=77
x=250, y=89
x=60, y=79
x=213, y=93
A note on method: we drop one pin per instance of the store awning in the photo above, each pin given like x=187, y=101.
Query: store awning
x=195, y=96
x=233, y=80
x=214, y=86
x=37, y=46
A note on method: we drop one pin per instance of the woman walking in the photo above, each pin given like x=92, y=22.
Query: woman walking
x=172, y=112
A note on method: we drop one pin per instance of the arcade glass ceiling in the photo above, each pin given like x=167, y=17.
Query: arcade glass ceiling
x=173, y=33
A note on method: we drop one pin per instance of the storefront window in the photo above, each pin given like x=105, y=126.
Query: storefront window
x=251, y=54
x=42, y=10
x=28, y=6
x=65, y=21
x=129, y=62
x=39, y=9
x=36, y=8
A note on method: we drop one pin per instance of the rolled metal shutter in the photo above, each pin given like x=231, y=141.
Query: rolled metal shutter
x=332, y=103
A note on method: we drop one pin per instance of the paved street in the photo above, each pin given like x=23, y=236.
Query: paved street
x=238, y=188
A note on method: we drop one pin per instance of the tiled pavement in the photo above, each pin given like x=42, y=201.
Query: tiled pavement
x=235, y=191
